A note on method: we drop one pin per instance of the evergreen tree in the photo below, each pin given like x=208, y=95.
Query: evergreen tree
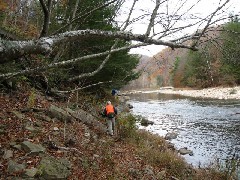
x=119, y=67
x=199, y=70
x=67, y=15
x=231, y=52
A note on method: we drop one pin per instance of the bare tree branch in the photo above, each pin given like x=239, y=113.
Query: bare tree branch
x=65, y=63
x=109, y=55
x=126, y=23
x=83, y=15
x=80, y=88
x=10, y=50
x=74, y=13
x=13, y=50
x=98, y=69
x=153, y=16
x=209, y=22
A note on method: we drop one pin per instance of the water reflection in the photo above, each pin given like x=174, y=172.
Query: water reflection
x=210, y=128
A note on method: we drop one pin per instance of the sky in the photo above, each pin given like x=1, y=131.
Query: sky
x=201, y=9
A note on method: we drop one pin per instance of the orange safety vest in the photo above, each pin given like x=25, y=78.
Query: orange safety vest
x=109, y=109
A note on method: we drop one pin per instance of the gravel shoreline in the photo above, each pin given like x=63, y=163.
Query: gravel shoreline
x=215, y=93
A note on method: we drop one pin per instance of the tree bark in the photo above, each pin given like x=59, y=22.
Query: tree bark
x=71, y=61
x=10, y=50
x=47, y=14
x=74, y=13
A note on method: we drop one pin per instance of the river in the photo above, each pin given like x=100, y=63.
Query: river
x=210, y=128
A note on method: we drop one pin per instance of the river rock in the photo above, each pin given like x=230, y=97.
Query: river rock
x=130, y=106
x=171, y=135
x=184, y=151
x=171, y=146
x=145, y=122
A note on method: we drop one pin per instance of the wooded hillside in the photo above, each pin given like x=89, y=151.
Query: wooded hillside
x=211, y=66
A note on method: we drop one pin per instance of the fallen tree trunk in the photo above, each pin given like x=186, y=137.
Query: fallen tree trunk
x=10, y=50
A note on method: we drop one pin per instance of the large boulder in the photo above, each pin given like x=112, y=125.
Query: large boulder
x=59, y=113
x=53, y=168
x=87, y=119
x=32, y=148
x=14, y=167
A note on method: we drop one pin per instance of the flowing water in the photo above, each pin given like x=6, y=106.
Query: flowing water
x=210, y=128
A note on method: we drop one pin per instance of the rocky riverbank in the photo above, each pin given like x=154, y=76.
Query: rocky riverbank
x=49, y=140
x=215, y=93
x=46, y=138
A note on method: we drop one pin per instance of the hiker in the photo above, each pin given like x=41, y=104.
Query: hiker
x=114, y=92
x=110, y=112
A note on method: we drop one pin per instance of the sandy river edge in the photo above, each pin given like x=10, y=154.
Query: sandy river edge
x=215, y=93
